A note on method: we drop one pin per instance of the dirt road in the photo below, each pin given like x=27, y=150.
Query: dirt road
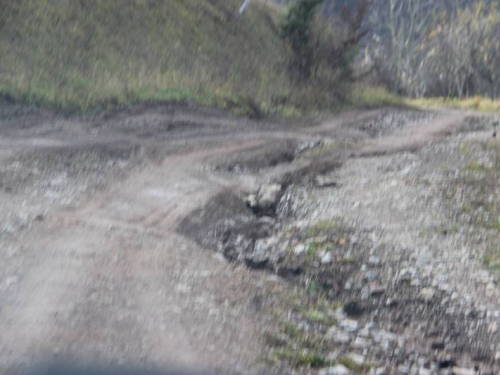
x=92, y=268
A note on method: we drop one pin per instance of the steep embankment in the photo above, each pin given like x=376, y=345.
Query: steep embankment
x=82, y=54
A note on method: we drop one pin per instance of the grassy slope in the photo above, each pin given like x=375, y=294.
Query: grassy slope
x=79, y=54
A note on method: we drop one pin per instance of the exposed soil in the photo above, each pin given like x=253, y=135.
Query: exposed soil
x=126, y=241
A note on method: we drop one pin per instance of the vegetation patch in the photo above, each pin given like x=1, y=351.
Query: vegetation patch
x=478, y=103
x=476, y=193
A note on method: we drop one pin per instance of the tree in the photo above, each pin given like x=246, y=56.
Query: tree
x=296, y=29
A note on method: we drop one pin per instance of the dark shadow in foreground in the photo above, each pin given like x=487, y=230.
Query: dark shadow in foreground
x=77, y=368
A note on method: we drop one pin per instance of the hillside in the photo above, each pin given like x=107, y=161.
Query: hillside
x=83, y=54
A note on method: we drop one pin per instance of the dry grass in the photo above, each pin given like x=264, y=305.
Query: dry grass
x=475, y=103
x=364, y=96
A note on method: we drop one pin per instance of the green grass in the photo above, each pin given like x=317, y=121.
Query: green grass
x=473, y=196
x=79, y=55
x=82, y=55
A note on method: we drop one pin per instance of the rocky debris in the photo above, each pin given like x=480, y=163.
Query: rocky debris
x=266, y=199
x=399, y=267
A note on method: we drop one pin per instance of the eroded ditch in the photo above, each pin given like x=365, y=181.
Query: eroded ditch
x=348, y=302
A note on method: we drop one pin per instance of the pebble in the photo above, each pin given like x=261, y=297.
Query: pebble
x=360, y=343
x=326, y=258
x=371, y=276
x=357, y=358
x=299, y=249
x=463, y=371
x=338, y=336
x=403, y=369
x=427, y=294
x=493, y=328
x=376, y=289
x=437, y=345
x=350, y=325
x=337, y=370
x=374, y=261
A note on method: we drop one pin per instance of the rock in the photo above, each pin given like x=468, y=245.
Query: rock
x=325, y=182
x=350, y=325
x=376, y=289
x=251, y=201
x=338, y=336
x=326, y=258
x=360, y=343
x=437, y=345
x=427, y=294
x=268, y=196
x=463, y=371
x=337, y=370
x=483, y=276
x=370, y=276
x=332, y=357
x=299, y=249
x=374, y=261
x=356, y=358
x=403, y=369
x=236, y=246
x=493, y=328
x=259, y=258
x=391, y=302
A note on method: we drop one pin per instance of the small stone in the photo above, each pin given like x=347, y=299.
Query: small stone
x=299, y=249
x=493, y=328
x=463, y=371
x=357, y=358
x=325, y=181
x=424, y=371
x=350, y=325
x=326, y=258
x=483, y=277
x=376, y=289
x=403, y=370
x=404, y=275
x=360, y=343
x=437, y=345
x=337, y=370
x=371, y=276
x=332, y=357
x=427, y=294
x=251, y=201
x=374, y=261
x=391, y=302
x=338, y=336
x=416, y=282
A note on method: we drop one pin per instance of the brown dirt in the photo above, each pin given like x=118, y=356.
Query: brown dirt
x=93, y=268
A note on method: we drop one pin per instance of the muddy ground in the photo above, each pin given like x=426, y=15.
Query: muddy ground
x=169, y=236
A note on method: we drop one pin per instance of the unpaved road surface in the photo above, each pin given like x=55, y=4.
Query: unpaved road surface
x=92, y=266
